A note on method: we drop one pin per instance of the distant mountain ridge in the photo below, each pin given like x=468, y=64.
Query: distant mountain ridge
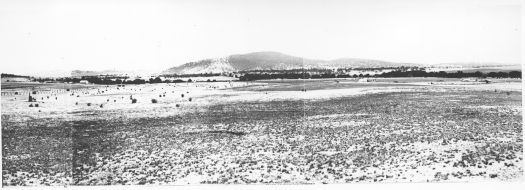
x=269, y=60
x=474, y=64
x=80, y=73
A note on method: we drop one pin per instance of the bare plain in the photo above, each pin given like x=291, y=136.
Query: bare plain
x=262, y=132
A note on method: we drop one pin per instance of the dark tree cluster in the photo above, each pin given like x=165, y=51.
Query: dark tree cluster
x=109, y=80
x=458, y=74
x=193, y=75
x=266, y=76
x=393, y=74
x=5, y=75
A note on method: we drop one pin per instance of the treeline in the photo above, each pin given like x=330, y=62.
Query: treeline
x=5, y=75
x=97, y=80
x=324, y=70
x=108, y=81
x=266, y=76
x=192, y=75
x=458, y=74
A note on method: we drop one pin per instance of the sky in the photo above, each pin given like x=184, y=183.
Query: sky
x=63, y=35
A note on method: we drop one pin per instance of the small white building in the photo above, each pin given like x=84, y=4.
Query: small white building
x=84, y=82
x=366, y=80
x=469, y=80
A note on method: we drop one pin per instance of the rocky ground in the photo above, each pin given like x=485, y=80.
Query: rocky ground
x=263, y=135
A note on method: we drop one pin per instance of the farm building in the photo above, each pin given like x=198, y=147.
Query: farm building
x=84, y=82
x=469, y=80
x=366, y=80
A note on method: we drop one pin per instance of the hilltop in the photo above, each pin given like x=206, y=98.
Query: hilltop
x=270, y=60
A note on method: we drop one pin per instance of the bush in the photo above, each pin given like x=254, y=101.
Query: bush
x=133, y=100
x=34, y=92
x=177, y=105
x=36, y=105
x=30, y=105
x=88, y=104
x=154, y=101
x=189, y=99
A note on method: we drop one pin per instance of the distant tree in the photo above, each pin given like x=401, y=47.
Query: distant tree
x=503, y=75
x=157, y=80
x=515, y=74
x=477, y=74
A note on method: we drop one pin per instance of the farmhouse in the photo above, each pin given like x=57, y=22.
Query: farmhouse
x=366, y=80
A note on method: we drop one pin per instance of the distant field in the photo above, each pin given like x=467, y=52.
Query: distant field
x=348, y=83
x=487, y=69
x=311, y=84
x=264, y=132
x=29, y=85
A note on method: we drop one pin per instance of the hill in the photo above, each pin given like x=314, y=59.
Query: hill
x=273, y=61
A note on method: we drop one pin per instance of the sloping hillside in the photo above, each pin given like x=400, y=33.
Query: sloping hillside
x=273, y=61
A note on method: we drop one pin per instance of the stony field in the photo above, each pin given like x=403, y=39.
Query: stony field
x=266, y=132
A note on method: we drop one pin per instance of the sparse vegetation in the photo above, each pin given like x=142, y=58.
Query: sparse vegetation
x=267, y=133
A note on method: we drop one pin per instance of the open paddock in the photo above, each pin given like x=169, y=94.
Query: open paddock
x=264, y=132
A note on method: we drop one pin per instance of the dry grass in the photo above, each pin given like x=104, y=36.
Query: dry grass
x=430, y=133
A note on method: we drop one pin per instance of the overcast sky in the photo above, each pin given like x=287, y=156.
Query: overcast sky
x=40, y=35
